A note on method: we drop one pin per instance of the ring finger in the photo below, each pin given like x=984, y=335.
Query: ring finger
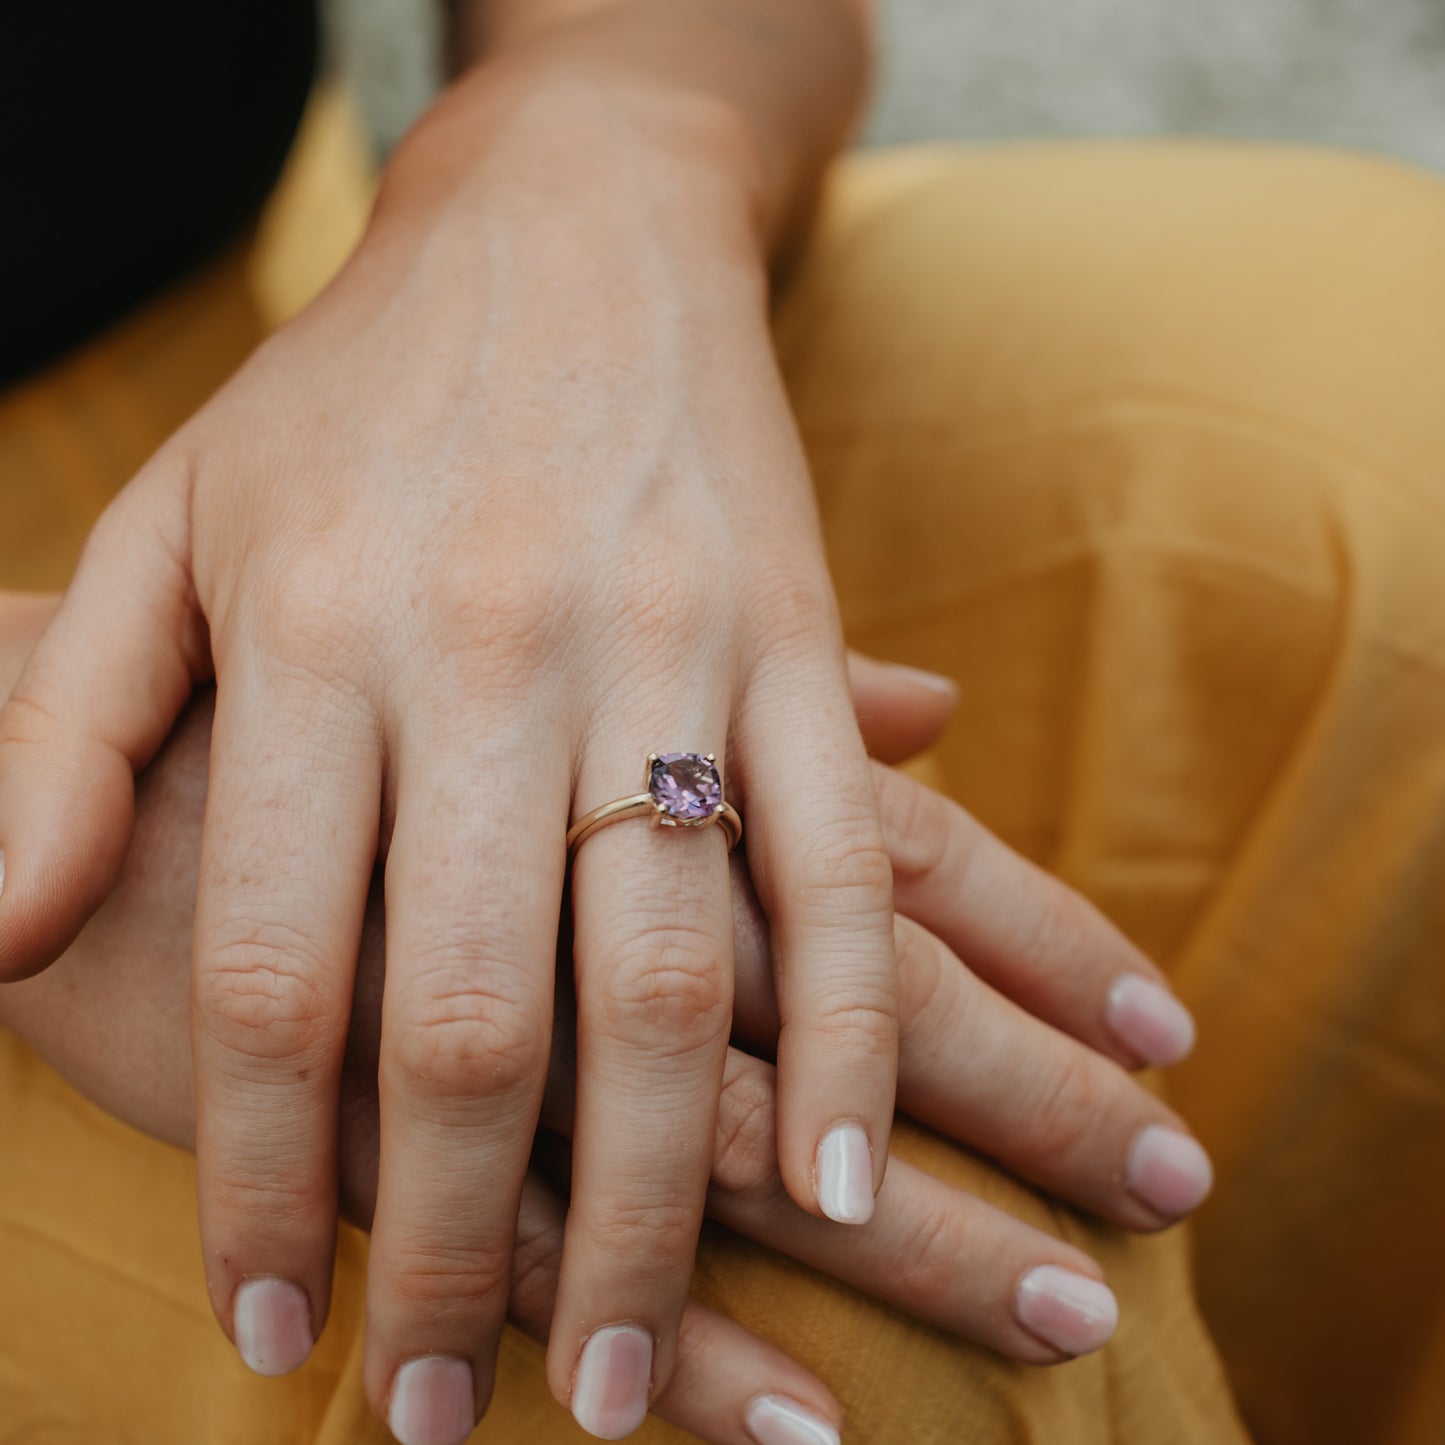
x=653, y=959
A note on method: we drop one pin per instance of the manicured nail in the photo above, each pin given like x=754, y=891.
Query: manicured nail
x=773, y=1420
x=272, y=1323
x=432, y=1402
x=845, y=1175
x=1069, y=1311
x=933, y=681
x=1148, y=1020
x=2, y=871
x=613, y=1381
x=1168, y=1170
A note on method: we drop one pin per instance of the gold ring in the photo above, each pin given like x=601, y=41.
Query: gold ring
x=684, y=790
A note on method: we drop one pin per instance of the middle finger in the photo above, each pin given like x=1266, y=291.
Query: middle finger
x=466, y=1018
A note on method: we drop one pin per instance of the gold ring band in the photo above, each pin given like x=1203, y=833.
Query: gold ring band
x=684, y=790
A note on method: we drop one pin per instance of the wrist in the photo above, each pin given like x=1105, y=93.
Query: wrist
x=564, y=137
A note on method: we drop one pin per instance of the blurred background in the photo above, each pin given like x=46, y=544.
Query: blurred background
x=1367, y=73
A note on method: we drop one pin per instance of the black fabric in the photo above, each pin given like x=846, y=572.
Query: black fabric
x=136, y=140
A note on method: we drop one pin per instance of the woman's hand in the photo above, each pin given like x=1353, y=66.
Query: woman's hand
x=518, y=500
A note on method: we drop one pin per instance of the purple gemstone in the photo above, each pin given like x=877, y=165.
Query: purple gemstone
x=685, y=786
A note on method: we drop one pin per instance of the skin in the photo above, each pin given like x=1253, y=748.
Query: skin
x=974, y=1064
x=518, y=498
x=426, y=543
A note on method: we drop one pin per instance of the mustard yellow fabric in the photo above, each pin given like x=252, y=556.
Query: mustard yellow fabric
x=1145, y=445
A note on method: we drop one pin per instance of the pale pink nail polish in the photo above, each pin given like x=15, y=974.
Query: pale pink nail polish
x=271, y=1319
x=1069, y=1311
x=613, y=1383
x=933, y=681
x=432, y=1401
x=776, y=1420
x=1148, y=1020
x=845, y=1174
x=1168, y=1170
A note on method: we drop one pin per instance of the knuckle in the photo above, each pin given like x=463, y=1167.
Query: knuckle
x=536, y=1265
x=652, y=603
x=667, y=985
x=463, y=1040
x=1060, y=925
x=26, y=721
x=858, y=1031
x=287, y=1199
x=695, y=1336
x=1069, y=1101
x=917, y=825
x=132, y=512
x=926, y=1266
x=655, y=1240
x=920, y=974
x=844, y=869
x=498, y=608
x=109, y=536
x=308, y=610
x=432, y=1278
x=745, y=1160
x=263, y=993
x=798, y=609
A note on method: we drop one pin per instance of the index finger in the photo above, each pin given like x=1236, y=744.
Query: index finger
x=817, y=859
x=290, y=834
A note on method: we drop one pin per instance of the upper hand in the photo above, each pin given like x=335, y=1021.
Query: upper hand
x=512, y=504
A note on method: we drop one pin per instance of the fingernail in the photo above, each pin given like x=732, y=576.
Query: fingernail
x=432, y=1401
x=613, y=1381
x=1147, y=1019
x=773, y=1420
x=845, y=1175
x=1069, y=1311
x=272, y=1323
x=2, y=870
x=1168, y=1170
x=933, y=681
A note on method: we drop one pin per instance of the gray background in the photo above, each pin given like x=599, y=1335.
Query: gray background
x=1367, y=73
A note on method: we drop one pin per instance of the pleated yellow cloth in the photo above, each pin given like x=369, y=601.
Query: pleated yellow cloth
x=1145, y=445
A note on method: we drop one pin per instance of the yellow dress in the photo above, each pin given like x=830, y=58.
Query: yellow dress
x=1144, y=444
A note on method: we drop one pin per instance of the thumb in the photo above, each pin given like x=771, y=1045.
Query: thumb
x=95, y=701
x=901, y=711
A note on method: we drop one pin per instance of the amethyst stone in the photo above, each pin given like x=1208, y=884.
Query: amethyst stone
x=685, y=786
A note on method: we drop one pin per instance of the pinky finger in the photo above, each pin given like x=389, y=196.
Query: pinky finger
x=728, y=1386
x=1024, y=931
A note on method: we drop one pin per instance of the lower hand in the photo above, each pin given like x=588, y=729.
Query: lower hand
x=974, y=1065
